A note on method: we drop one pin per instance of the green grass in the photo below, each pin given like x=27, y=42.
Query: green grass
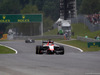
x=4, y=40
x=81, y=45
x=82, y=30
x=79, y=30
x=51, y=32
x=5, y=50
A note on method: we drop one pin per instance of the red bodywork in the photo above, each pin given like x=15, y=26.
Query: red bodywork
x=51, y=46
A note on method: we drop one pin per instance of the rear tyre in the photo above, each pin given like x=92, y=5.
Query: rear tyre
x=38, y=50
x=62, y=50
x=33, y=41
x=26, y=41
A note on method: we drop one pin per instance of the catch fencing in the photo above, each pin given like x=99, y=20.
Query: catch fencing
x=83, y=19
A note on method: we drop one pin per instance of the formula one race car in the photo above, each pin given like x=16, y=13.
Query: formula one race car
x=29, y=41
x=48, y=47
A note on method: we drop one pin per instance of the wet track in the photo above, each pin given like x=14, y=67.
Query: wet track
x=26, y=62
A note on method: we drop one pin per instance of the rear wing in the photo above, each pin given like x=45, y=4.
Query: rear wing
x=47, y=41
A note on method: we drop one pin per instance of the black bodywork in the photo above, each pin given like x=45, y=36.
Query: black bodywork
x=29, y=41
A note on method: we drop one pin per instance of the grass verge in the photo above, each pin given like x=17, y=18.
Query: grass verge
x=52, y=32
x=5, y=50
x=79, y=29
x=79, y=44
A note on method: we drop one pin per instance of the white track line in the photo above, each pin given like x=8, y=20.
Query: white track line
x=16, y=52
x=70, y=46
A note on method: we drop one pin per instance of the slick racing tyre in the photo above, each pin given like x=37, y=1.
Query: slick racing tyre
x=26, y=41
x=38, y=50
x=33, y=41
x=62, y=50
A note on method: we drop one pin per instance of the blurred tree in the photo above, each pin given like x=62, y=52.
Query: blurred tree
x=78, y=4
x=29, y=28
x=30, y=9
x=51, y=8
x=40, y=4
x=26, y=2
x=90, y=6
x=9, y=7
x=48, y=23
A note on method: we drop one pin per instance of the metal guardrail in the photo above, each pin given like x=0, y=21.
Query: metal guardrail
x=39, y=37
x=87, y=39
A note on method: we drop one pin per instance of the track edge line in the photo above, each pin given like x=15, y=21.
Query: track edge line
x=16, y=52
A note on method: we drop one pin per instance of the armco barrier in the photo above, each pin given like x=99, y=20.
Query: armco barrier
x=87, y=39
x=39, y=37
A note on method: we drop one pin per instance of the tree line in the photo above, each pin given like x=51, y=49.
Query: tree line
x=90, y=7
x=49, y=9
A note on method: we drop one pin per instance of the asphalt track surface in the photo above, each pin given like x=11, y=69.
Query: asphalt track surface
x=26, y=62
